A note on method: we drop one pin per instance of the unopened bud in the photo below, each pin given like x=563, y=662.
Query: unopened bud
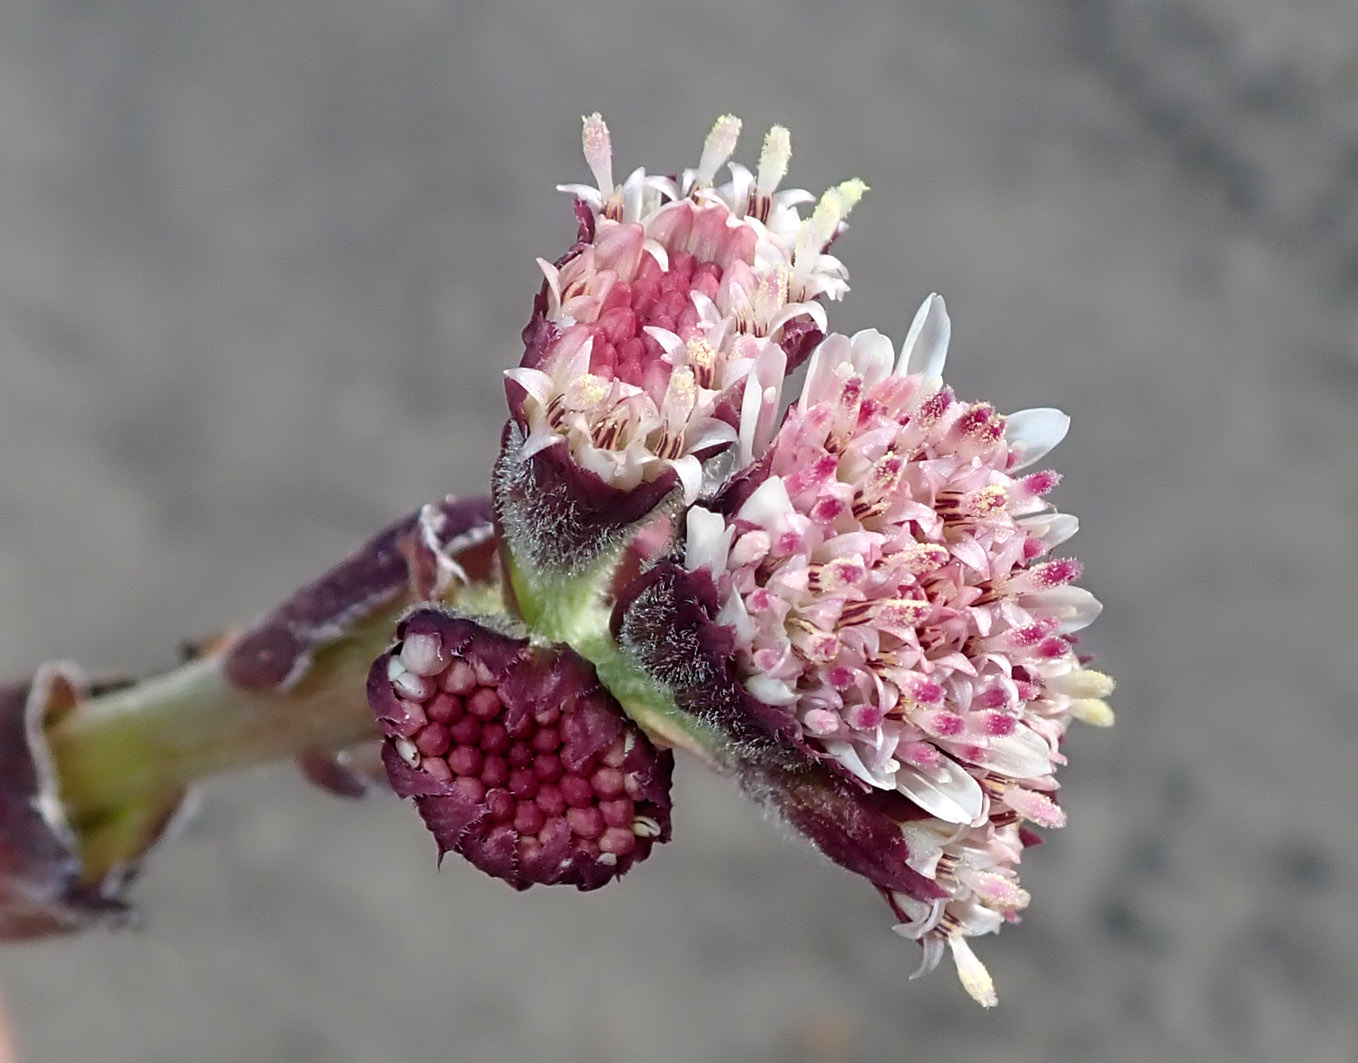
x=516, y=756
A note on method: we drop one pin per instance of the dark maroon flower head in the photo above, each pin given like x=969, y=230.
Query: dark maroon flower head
x=515, y=754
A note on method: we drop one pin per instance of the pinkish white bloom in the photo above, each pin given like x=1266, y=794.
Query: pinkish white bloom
x=885, y=576
x=662, y=338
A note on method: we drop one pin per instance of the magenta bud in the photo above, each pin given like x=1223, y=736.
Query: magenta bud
x=539, y=777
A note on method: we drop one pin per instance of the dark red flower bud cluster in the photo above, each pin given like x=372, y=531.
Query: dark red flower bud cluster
x=516, y=755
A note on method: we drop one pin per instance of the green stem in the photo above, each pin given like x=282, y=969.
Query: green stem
x=576, y=612
x=172, y=729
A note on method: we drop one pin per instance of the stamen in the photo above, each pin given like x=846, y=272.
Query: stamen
x=720, y=143
x=773, y=159
x=599, y=153
x=702, y=359
x=971, y=972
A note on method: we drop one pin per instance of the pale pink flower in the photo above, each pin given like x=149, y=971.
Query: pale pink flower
x=884, y=573
x=662, y=337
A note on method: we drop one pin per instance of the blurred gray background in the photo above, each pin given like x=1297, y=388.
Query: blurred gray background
x=261, y=264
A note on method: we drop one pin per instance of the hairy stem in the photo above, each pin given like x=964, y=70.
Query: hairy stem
x=575, y=612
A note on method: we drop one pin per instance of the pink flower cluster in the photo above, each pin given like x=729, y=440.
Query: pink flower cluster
x=662, y=336
x=884, y=572
x=851, y=606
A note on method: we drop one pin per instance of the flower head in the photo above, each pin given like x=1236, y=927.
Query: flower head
x=515, y=755
x=660, y=339
x=880, y=589
x=853, y=607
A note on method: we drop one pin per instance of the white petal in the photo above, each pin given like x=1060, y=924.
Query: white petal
x=973, y=555
x=871, y=355
x=708, y=540
x=933, y=952
x=926, y=344
x=690, y=472
x=571, y=364
x=847, y=754
x=669, y=342
x=1033, y=433
x=586, y=193
x=1052, y=528
x=539, y=440
x=813, y=310
x=955, y=797
x=553, y=276
x=709, y=432
x=733, y=614
x=820, y=382
x=633, y=195
x=1021, y=755
x=1073, y=607
x=928, y=918
x=534, y=381
x=657, y=251
x=737, y=191
x=771, y=691
x=752, y=405
x=759, y=405
x=707, y=309
x=767, y=504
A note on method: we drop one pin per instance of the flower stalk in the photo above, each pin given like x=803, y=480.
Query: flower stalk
x=100, y=771
x=130, y=744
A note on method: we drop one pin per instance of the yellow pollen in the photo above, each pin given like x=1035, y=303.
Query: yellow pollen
x=922, y=558
x=717, y=148
x=682, y=393
x=587, y=391
x=989, y=499
x=848, y=194
x=702, y=360
x=773, y=159
x=1093, y=711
